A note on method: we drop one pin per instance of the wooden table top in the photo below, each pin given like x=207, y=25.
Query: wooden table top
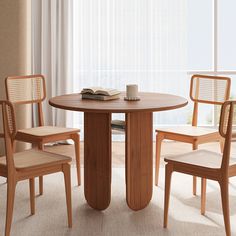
x=148, y=102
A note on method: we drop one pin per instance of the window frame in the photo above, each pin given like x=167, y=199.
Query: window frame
x=215, y=70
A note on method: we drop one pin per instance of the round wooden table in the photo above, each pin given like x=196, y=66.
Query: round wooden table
x=138, y=144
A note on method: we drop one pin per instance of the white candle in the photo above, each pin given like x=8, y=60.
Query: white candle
x=131, y=90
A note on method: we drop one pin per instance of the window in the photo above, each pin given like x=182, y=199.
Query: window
x=149, y=42
x=117, y=42
x=211, y=44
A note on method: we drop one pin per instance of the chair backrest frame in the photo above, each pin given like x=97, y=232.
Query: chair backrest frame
x=197, y=101
x=227, y=118
x=9, y=132
x=32, y=101
x=26, y=77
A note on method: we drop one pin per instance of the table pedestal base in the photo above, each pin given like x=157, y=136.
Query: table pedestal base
x=97, y=159
x=139, y=159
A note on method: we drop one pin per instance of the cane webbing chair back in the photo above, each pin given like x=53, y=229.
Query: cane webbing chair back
x=228, y=108
x=8, y=119
x=9, y=131
x=227, y=129
x=209, y=89
x=224, y=118
x=25, y=89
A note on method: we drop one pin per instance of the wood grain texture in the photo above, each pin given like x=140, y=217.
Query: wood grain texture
x=32, y=195
x=138, y=159
x=66, y=172
x=194, y=147
x=97, y=159
x=148, y=102
x=40, y=147
x=97, y=149
x=76, y=139
x=203, y=196
x=159, y=139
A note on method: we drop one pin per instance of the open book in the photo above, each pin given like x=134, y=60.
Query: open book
x=99, y=96
x=100, y=90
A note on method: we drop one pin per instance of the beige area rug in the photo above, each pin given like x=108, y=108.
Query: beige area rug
x=118, y=219
x=118, y=150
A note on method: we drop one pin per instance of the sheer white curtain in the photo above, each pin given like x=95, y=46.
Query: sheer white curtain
x=110, y=43
x=51, y=52
x=117, y=42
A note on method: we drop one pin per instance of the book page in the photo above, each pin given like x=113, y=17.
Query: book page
x=100, y=90
x=107, y=91
x=99, y=96
x=91, y=90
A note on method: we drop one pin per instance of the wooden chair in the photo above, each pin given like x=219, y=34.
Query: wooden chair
x=203, y=89
x=208, y=165
x=31, y=89
x=28, y=165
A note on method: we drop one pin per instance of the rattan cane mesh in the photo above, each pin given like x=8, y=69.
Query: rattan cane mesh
x=25, y=89
x=10, y=121
x=228, y=107
x=209, y=89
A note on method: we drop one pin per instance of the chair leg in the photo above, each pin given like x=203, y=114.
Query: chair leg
x=66, y=172
x=203, y=196
x=40, y=185
x=195, y=147
x=32, y=196
x=159, y=139
x=11, y=187
x=168, y=174
x=13, y=146
x=194, y=185
x=222, y=144
x=224, y=188
x=41, y=147
x=76, y=139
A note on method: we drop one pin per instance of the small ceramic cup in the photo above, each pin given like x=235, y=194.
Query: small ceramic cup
x=131, y=91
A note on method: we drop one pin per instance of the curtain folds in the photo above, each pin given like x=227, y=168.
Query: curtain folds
x=51, y=52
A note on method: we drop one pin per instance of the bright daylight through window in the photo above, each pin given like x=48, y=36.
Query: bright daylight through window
x=157, y=44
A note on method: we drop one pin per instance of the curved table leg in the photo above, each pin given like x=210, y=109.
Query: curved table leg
x=139, y=158
x=97, y=159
